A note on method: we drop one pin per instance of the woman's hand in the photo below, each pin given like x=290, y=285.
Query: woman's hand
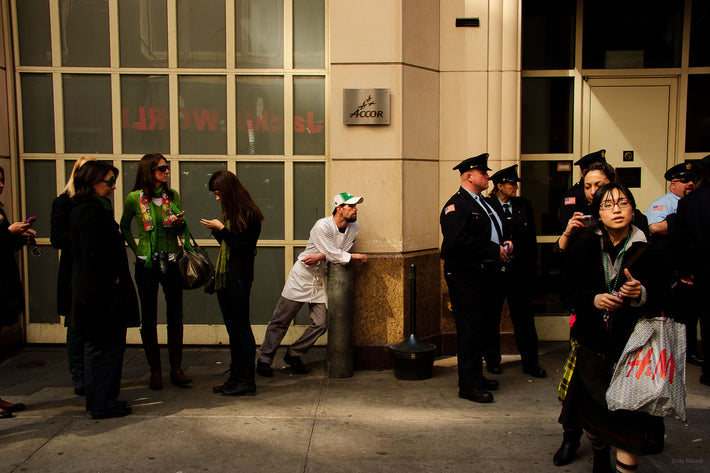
x=175, y=220
x=608, y=302
x=575, y=224
x=213, y=224
x=632, y=287
x=19, y=228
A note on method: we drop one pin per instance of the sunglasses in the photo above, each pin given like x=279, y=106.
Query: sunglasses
x=111, y=181
x=163, y=168
x=684, y=179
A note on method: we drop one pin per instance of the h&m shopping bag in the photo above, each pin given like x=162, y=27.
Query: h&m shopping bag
x=650, y=374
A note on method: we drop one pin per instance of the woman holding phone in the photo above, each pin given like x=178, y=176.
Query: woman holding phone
x=155, y=207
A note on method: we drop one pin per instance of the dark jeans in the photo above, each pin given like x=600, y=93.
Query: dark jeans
x=147, y=281
x=75, y=357
x=104, y=363
x=234, y=303
x=475, y=295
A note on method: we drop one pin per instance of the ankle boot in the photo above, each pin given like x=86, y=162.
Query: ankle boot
x=602, y=462
x=149, y=335
x=240, y=382
x=177, y=376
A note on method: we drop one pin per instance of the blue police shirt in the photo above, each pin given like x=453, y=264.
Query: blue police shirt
x=661, y=208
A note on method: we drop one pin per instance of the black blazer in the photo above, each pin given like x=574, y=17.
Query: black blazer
x=520, y=229
x=61, y=240
x=101, y=306
x=466, y=227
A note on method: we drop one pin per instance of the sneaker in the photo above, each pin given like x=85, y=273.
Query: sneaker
x=264, y=369
x=296, y=364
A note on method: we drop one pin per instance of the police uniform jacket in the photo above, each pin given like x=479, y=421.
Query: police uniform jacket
x=466, y=227
x=691, y=242
x=520, y=229
x=572, y=201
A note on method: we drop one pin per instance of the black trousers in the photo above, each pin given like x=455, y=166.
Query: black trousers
x=234, y=303
x=103, y=366
x=475, y=294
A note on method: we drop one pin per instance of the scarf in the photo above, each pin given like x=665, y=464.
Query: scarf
x=220, y=272
x=105, y=203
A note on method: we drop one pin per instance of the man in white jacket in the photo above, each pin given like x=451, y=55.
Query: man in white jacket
x=330, y=241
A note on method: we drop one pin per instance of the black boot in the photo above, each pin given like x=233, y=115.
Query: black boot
x=240, y=382
x=149, y=335
x=177, y=376
x=602, y=462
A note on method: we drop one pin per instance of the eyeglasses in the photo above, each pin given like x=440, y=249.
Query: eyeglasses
x=111, y=181
x=609, y=204
x=163, y=168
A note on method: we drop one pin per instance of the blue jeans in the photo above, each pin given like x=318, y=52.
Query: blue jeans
x=234, y=303
x=147, y=281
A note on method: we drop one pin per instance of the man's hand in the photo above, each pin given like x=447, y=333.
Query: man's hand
x=313, y=259
x=359, y=256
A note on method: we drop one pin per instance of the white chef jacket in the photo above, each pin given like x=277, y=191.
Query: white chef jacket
x=308, y=283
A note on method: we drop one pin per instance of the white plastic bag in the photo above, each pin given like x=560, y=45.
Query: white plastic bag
x=650, y=374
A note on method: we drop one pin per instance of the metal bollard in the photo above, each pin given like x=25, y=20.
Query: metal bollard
x=340, y=321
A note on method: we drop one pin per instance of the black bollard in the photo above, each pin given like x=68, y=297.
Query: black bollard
x=340, y=321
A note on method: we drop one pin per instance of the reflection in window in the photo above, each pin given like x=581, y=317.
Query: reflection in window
x=548, y=34
x=546, y=116
x=145, y=117
x=544, y=184
x=308, y=34
x=34, y=33
x=309, y=115
x=308, y=198
x=260, y=115
x=201, y=33
x=85, y=32
x=203, y=114
x=700, y=34
x=143, y=33
x=259, y=30
x=632, y=34
x=197, y=200
x=87, y=113
x=37, y=113
x=697, y=131
x=40, y=191
x=265, y=183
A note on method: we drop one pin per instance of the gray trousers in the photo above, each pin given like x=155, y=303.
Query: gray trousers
x=283, y=314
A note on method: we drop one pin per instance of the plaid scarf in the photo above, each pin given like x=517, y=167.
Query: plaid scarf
x=570, y=364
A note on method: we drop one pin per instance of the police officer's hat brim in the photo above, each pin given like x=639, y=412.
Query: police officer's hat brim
x=479, y=162
x=588, y=159
x=508, y=174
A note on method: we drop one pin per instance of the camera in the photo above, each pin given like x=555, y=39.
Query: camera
x=161, y=257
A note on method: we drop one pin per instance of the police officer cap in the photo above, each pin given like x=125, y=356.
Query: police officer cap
x=679, y=171
x=479, y=162
x=588, y=159
x=508, y=174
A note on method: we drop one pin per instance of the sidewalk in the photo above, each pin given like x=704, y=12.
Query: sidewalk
x=369, y=423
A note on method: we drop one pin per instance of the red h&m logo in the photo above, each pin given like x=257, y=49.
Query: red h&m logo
x=664, y=367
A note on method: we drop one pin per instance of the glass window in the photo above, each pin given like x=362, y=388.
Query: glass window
x=37, y=113
x=548, y=34
x=700, y=34
x=303, y=316
x=265, y=183
x=203, y=114
x=128, y=176
x=201, y=33
x=42, y=271
x=547, y=300
x=309, y=115
x=198, y=307
x=308, y=34
x=40, y=191
x=85, y=32
x=260, y=115
x=546, y=116
x=143, y=33
x=268, y=282
x=197, y=200
x=259, y=30
x=697, y=131
x=632, y=34
x=309, y=195
x=87, y=113
x=544, y=184
x=34, y=33
x=145, y=117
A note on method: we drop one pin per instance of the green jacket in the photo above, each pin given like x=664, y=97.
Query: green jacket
x=166, y=237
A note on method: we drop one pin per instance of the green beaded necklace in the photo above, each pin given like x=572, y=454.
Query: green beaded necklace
x=607, y=262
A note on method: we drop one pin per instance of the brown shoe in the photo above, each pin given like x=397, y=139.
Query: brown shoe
x=179, y=378
x=156, y=380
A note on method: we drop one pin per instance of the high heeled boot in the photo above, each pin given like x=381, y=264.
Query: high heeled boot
x=240, y=382
x=149, y=335
x=177, y=376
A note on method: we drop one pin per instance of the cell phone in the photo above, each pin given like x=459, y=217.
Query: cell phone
x=587, y=220
x=180, y=214
x=30, y=220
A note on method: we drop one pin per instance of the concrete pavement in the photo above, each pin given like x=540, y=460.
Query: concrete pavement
x=371, y=422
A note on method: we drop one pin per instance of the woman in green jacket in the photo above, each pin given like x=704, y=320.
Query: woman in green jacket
x=156, y=209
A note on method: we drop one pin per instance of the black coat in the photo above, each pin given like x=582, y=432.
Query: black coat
x=691, y=238
x=12, y=300
x=101, y=307
x=61, y=240
x=466, y=227
x=520, y=229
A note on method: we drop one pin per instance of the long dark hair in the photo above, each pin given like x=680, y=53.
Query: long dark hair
x=145, y=180
x=604, y=190
x=237, y=205
x=2, y=178
x=87, y=176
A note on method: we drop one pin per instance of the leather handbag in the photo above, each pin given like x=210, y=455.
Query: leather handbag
x=195, y=266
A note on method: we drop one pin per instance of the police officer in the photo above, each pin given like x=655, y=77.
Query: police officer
x=519, y=227
x=574, y=199
x=473, y=249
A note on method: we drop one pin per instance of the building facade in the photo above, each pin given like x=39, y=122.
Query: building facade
x=258, y=86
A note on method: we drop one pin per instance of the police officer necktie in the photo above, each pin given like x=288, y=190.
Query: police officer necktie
x=506, y=211
x=494, y=218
